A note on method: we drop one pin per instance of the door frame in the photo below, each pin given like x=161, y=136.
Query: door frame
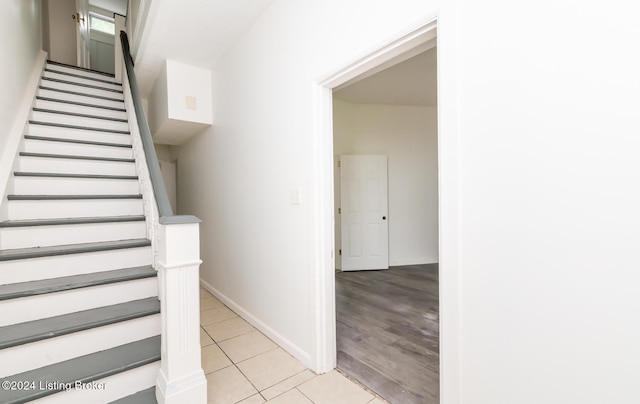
x=414, y=40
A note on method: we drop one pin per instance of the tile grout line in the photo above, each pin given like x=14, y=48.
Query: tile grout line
x=304, y=395
x=259, y=392
x=294, y=387
x=234, y=363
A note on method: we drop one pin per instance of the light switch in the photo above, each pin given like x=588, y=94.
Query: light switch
x=295, y=197
x=191, y=102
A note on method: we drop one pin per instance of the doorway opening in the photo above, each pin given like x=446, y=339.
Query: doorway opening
x=82, y=32
x=414, y=41
x=385, y=137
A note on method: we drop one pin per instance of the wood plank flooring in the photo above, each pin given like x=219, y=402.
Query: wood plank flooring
x=387, y=331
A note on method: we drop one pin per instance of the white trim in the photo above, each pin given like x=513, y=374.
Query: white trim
x=19, y=123
x=416, y=261
x=448, y=205
x=418, y=37
x=188, y=389
x=278, y=338
x=415, y=40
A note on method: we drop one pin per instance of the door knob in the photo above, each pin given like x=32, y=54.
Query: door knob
x=384, y=218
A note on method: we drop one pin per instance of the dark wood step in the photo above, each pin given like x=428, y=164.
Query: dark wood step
x=52, y=327
x=45, y=286
x=67, y=249
x=83, y=369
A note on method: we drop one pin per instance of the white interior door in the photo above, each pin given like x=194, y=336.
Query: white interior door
x=364, y=209
x=82, y=33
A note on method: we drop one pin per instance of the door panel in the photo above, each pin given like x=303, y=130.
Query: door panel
x=61, y=30
x=364, y=224
x=82, y=33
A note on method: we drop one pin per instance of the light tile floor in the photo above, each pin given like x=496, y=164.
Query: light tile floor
x=244, y=366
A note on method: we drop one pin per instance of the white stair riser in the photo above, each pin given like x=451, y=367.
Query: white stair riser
x=79, y=98
x=34, y=269
x=56, y=304
x=81, y=89
x=79, y=109
x=41, y=236
x=79, y=134
x=22, y=185
x=84, y=73
x=76, y=149
x=50, y=117
x=52, y=74
x=73, y=166
x=53, y=350
x=115, y=387
x=46, y=209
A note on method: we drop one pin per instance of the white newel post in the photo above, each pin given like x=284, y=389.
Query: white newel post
x=120, y=26
x=180, y=379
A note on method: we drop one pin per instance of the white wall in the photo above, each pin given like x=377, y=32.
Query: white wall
x=408, y=135
x=549, y=97
x=237, y=176
x=538, y=121
x=180, y=103
x=20, y=41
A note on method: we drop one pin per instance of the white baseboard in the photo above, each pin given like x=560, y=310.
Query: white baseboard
x=17, y=129
x=278, y=338
x=419, y=261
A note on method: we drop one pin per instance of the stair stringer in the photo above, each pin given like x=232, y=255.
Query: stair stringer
x=144, y=178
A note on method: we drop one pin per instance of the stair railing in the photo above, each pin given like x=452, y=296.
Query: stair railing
x=176, y=256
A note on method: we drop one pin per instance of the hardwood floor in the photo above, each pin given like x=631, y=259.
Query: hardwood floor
x=387, y=331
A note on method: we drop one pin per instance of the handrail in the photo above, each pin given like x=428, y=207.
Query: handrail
x=159, y=190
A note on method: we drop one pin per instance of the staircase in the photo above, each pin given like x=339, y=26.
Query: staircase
x=78, y=296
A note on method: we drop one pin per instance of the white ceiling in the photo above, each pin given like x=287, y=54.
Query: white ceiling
x=115, y=6
x=412, y=82
x=197, y=33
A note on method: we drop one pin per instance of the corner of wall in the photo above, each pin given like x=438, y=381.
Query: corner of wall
x=12, y=143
